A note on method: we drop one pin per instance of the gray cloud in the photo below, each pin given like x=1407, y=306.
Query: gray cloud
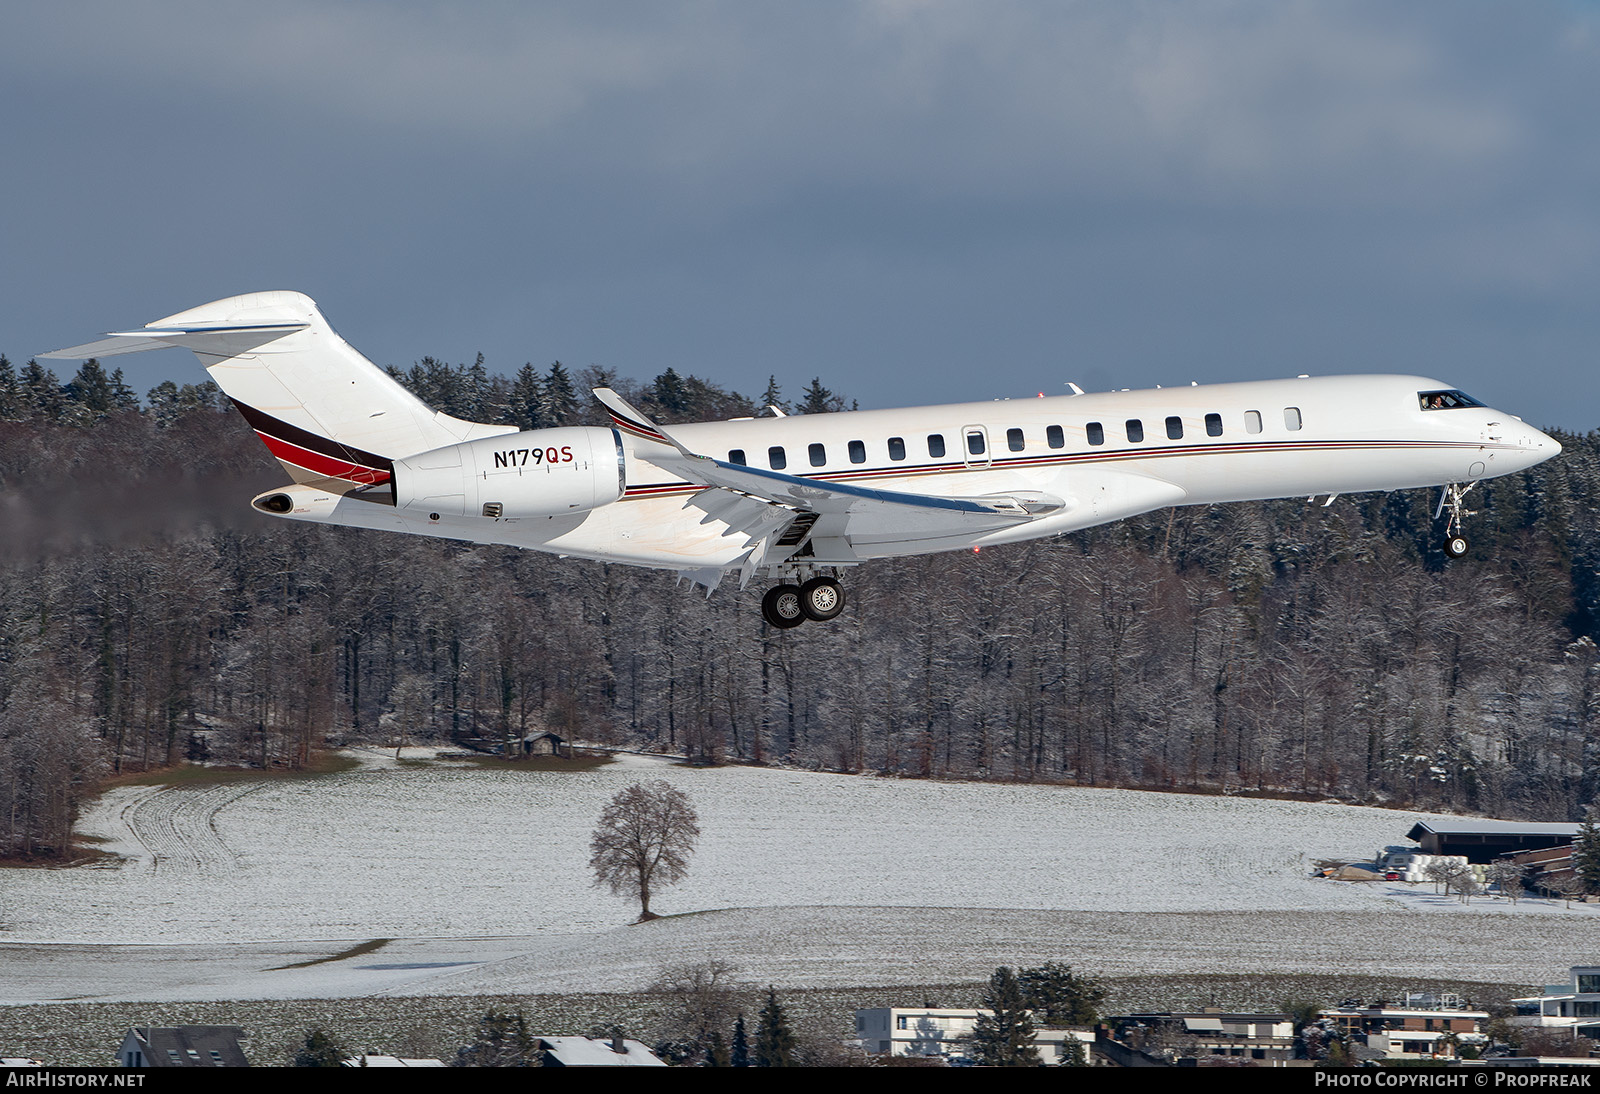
x=1158, y=191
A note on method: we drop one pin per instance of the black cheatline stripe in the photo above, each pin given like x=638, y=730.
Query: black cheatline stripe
x=262, y=422
x=637, y=427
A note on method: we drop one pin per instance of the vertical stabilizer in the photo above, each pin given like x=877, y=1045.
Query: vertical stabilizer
x=323, y=409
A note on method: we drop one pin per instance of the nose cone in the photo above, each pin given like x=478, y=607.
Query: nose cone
x=1534, y=446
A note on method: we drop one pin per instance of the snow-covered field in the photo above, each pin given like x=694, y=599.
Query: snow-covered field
x=483, y=876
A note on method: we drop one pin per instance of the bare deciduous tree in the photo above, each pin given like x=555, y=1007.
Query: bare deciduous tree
x=705, y=1000
x=644, y=840
x=1507, y=877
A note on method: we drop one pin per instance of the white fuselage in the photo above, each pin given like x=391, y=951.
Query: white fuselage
x=1105, y=456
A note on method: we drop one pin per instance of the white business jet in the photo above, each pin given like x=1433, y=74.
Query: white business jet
x=800, y=498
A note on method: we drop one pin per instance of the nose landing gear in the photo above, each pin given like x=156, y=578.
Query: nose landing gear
x=789, y=605
x=1453, y=499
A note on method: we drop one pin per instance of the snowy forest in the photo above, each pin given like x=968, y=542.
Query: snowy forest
x=147, y=615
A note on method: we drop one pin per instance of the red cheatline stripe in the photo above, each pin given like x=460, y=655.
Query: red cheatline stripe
x=319, y=464
x=638, y=429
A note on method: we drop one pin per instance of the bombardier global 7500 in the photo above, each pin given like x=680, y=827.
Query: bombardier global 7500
x=800, y=498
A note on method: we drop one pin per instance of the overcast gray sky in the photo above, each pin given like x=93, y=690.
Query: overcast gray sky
x=916, y=200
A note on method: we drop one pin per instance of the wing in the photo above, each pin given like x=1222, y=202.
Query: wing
x=840, y=510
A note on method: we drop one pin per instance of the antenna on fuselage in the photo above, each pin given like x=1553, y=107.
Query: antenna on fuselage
x=1076, y=390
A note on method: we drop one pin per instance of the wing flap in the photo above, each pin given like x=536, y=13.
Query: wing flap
x=870, y=512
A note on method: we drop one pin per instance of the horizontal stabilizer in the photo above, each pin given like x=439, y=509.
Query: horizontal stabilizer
x=214, y=340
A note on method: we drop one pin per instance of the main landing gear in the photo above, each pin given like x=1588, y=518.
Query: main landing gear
x=1453, y=499
x=789, y=605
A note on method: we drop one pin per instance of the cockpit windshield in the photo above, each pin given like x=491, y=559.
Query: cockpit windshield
x=1445, y=400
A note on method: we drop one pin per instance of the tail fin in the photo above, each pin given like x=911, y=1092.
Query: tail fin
x=325, y=411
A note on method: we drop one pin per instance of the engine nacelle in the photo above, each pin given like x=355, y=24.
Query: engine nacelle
x=540, y=473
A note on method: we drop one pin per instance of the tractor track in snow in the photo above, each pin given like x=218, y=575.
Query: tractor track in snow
x=176, y=826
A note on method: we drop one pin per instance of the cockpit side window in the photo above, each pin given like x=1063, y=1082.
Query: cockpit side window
x=1445, y=400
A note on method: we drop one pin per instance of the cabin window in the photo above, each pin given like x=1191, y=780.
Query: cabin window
x=897, y=448
x=736, y=456
x=819, y=455
x=1054, y=437
x=1135, y=429
x=1214, y=425
x=776, y=458
x=1252, y=421
x=975, y=443
x=858, y=452
x=1095, y=432
x=1291, y=418
x=1014, y=440
x=1174, y=428
x=936, y=445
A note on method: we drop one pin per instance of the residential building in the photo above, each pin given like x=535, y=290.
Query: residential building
x=945, y=1031
x=596, y=1052
x=183, y=1046
x=915, y=1031
x=1424, y=1026
x=1211, y=1032
x=1573, y=1007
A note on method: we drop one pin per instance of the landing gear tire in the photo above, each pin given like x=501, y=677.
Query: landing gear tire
x=781, y=607
x=821, y=599
x=1455, y=546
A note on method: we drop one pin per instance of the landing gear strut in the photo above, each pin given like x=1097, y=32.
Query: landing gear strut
x=789, y=605
x=1453, y=499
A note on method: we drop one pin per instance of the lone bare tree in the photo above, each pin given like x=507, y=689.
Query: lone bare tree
x=645, y=838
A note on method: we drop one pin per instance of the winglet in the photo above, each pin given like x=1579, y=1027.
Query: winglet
x=632, y=421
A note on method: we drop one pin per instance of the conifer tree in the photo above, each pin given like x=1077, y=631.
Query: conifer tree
x=819, y=400
x=10, y=397
x=740, y=1056
x=1059, y=996
x=320, y=1050
x=478, y=393
x=1586, y=853
x=1003, y=1036
x=717, y=1054
x=89, y=392
x=669, y=394
x=773, y=396
x=560, y=400
x=774, y=1039
x=122, y=396
x=527, y=399
x=41, y=392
